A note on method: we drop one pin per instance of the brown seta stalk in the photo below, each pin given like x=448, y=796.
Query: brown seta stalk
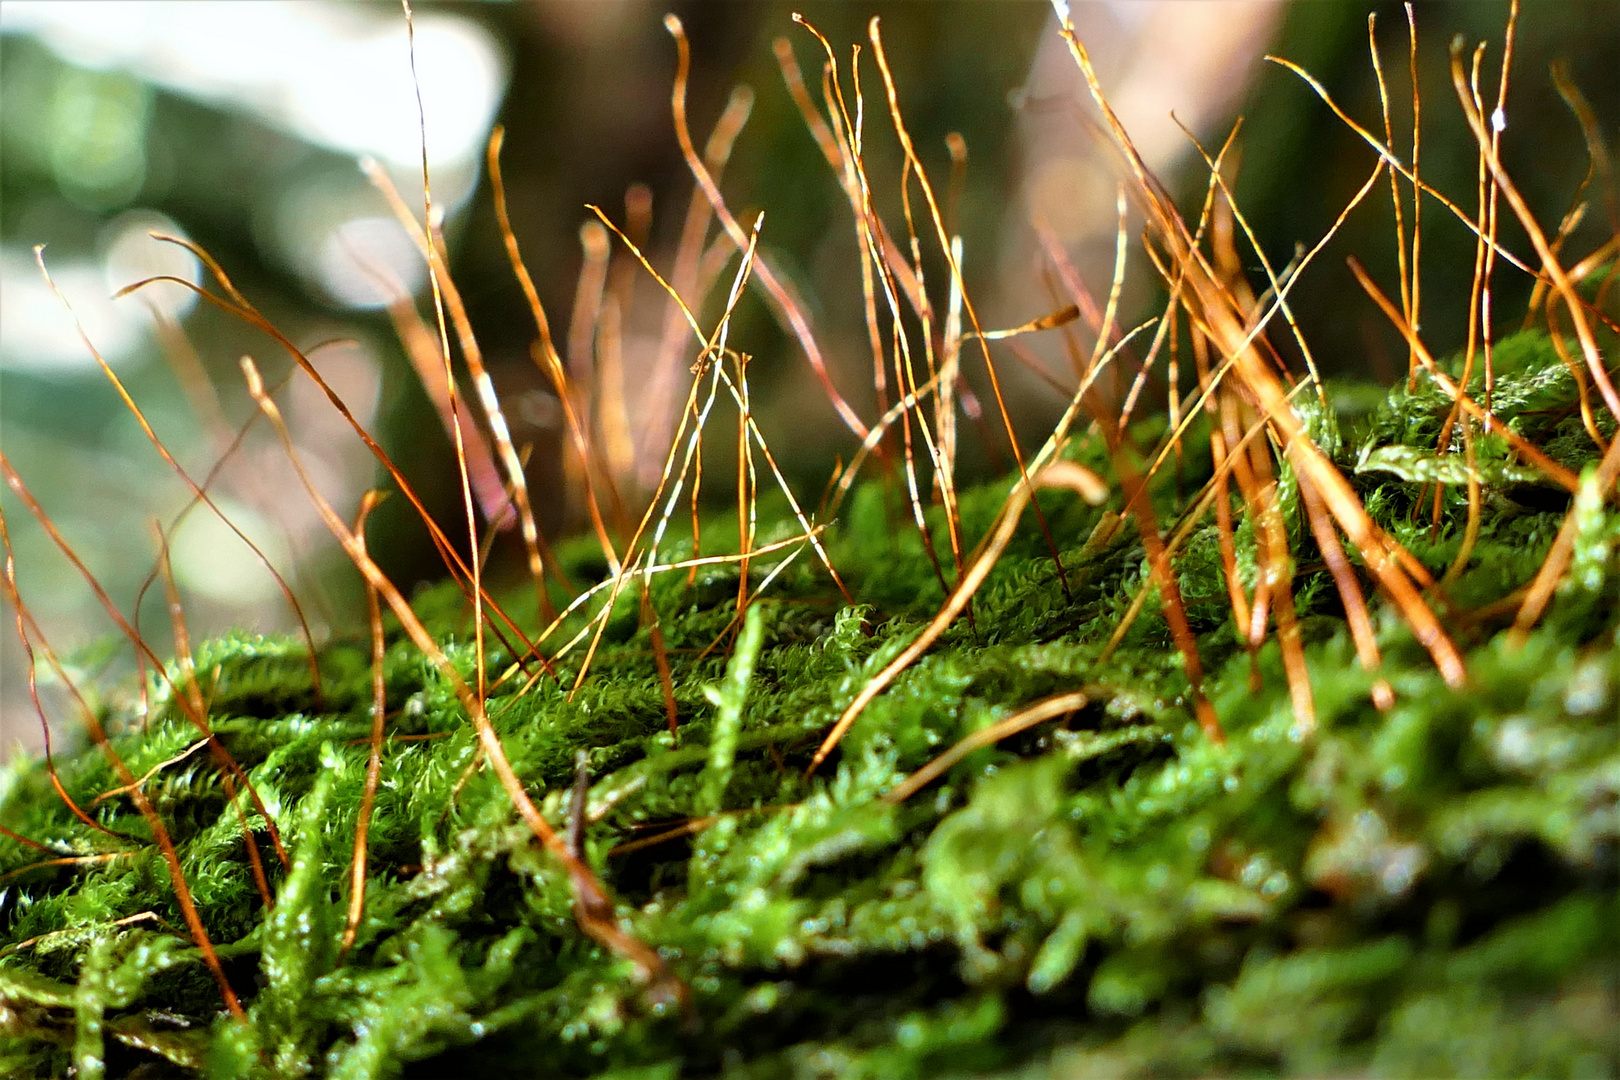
x=379, y=707
x=1215, y=314
x=593, y=910
x=1087, y=484
x=98, y=737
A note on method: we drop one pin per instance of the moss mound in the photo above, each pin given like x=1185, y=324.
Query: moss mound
x=1429, y=890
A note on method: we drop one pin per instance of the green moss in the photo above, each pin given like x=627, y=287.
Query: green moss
x=1430, y=890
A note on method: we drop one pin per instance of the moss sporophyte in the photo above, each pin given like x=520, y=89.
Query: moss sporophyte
x=1273, y=733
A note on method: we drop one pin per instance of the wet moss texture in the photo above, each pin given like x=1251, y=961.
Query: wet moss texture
x=1427, y=890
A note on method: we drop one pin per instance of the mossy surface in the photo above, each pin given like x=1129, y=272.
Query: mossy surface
x=1429, y=890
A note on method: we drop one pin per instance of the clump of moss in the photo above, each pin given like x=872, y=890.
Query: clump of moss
x=1422, y=891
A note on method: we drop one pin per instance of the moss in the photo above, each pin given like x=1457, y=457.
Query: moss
x=1429, y=890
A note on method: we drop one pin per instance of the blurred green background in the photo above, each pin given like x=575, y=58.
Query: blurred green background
x=239, y=125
